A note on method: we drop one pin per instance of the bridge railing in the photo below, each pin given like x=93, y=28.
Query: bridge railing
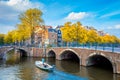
x=110, y=49
x=103, y=47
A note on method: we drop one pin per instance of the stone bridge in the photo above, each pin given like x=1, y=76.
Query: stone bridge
x=85, y=57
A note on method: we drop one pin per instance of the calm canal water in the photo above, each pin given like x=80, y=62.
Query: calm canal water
x=16, y=68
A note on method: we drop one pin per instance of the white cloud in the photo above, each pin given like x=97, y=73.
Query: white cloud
x=13, y=2
x=117, y=26
x=114, y=27
x=110, y=14
x=21, y=5
x=10, y=9
x=76, y=16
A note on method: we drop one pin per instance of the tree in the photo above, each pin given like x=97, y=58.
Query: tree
x=92, y=35
x=8, y=37
x=74, y=33
x=2, y=39
x=115, y=39
x=78, y=33
x=22, y=33
x=30, y=19
x=66, y=32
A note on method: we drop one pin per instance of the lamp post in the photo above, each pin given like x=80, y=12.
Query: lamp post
x=44, y=46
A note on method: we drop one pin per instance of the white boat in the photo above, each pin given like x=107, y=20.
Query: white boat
x=44, y=66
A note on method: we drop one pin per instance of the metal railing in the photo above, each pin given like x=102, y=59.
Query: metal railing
x=93, y=47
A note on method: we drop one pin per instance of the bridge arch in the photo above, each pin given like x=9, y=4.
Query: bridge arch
x=22, y=52
x=69, y=54
x=51, y=53
x=100, y=60
x=9, y=50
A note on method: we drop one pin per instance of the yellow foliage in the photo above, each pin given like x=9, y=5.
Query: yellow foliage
x=2, y=39
x=29, y=19
x=74, y=32
x=8, y=37
x=66, y=32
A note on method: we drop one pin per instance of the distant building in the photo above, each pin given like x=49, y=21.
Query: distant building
x=41, y=35
x=45, y=36
x=101, y=33
x=52, y=37
x=90, y=27
x=59, y=36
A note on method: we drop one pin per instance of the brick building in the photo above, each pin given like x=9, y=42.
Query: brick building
x=45, y=36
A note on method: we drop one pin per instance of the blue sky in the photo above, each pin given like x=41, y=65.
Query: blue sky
x=101, y=14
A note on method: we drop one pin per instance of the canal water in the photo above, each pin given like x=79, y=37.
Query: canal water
x=15, y=68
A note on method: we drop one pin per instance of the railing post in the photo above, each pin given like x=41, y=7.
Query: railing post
x=113, y=47
x=103, y=47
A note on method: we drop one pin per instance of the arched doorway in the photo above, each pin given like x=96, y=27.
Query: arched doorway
x=100, y=61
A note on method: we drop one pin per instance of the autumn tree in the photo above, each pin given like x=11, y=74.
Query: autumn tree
x=22, y=33
x=29, y=19
x=66, y=32
x=115, y=39
x=93, y=37
x=78, y=33
x=8, y=38
x=2, y=39
x=74, y=33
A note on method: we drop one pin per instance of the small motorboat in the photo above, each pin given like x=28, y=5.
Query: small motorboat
x=44, y=66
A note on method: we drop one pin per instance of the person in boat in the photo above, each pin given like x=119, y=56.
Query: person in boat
x=43, y=61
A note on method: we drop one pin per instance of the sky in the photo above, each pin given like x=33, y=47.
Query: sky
x=101, y=14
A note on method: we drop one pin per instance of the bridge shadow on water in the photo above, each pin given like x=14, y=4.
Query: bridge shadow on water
x=59, y=75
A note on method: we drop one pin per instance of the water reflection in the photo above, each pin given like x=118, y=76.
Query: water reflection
x=68, y=66
x=92, y=73
x=16, y=68
x=98, y=73
x=9, y=73
x=12, y=58
x=51, y=61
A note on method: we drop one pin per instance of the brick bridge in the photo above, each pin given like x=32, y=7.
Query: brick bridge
x=85, y=57
x=4, y=50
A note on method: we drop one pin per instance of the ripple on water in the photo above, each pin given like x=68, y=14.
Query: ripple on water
x=9, y=73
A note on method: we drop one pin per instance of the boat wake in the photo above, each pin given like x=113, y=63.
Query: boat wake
x=59, y=75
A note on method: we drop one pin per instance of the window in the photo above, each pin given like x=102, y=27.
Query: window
x=59, y=31
x=59, y=34
x=52, y=36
